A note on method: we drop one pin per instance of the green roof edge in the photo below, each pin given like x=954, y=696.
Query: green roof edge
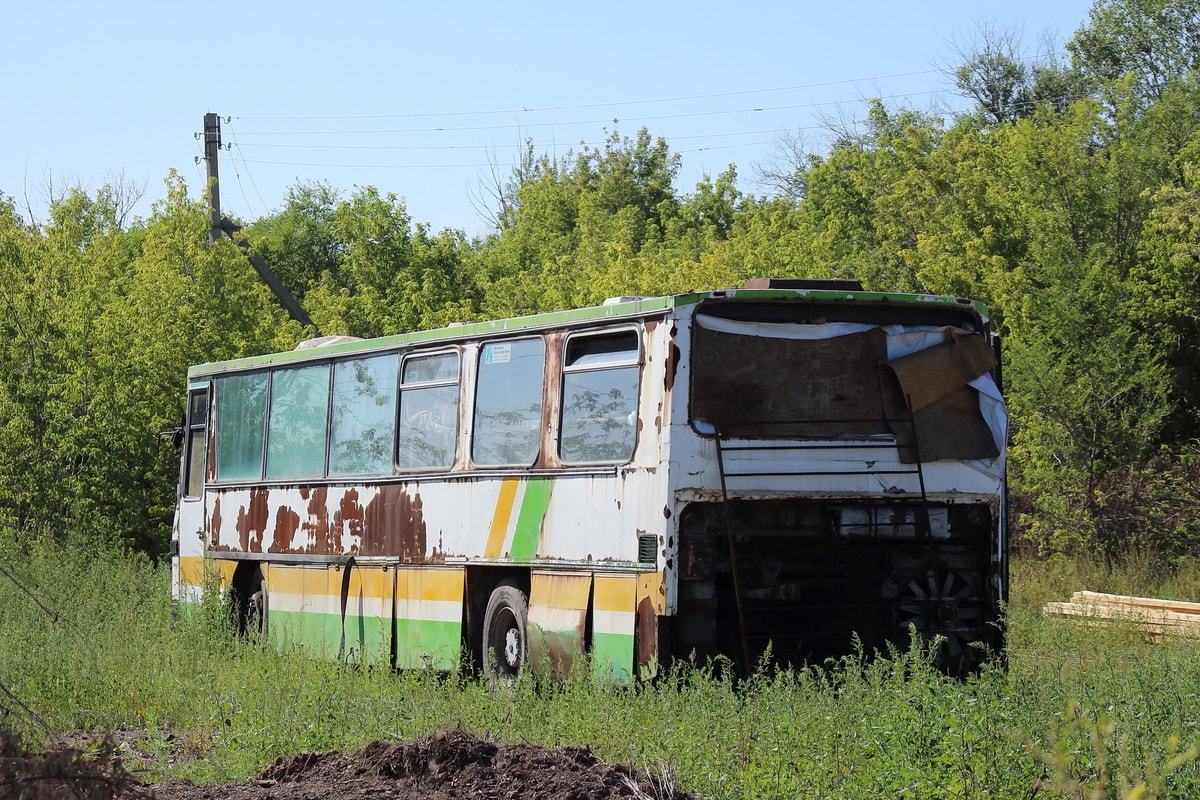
x=623, y=309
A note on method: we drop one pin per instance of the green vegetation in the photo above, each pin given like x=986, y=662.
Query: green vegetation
x=1078, y=709
x=1066, y=199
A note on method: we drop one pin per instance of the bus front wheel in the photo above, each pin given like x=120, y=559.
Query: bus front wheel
x=504, y=640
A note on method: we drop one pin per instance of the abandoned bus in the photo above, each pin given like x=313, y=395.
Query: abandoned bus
x=791, y=468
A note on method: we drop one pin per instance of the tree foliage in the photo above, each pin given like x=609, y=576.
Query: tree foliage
x=1067, y=199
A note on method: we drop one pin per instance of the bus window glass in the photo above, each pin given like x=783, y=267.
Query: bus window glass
x=298, y=422
x=197, y=419
x=241, y=413
x=508, y=402
x=599, y=400
x=364, y=416
x=428, y=412
x=198, y=408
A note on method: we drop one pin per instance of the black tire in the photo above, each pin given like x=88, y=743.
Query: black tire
x=505, y=645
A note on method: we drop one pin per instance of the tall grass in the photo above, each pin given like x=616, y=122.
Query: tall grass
x=1079, y=711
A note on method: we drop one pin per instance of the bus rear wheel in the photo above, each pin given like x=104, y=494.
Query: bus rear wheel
x=504, y=627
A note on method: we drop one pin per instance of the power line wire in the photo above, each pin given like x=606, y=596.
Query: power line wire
x=604, y=121
x=581, y=106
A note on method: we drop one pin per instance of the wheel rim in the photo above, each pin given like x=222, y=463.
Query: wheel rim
x=942, y=603
x=506, y=644
x=512, y=651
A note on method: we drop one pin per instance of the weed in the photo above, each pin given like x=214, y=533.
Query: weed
x=1078, y=711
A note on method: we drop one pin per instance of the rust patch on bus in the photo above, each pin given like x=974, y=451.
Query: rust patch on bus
x=316, y=525
x=547, y=457
x=252, y=522
x=349, y=518
x=672, y=362
x=287, y=522
x=210, y=465
x=215, y=527
x=350, y=514
x=647, y=633
x=394, y=524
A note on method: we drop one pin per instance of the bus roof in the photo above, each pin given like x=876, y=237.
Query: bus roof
x=616, y=309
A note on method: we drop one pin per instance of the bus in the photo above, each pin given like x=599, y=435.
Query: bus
x=789, y=470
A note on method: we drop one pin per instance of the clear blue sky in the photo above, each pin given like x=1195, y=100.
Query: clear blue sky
x=419, y=99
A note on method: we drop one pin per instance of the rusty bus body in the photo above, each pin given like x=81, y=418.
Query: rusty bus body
x=701, y=474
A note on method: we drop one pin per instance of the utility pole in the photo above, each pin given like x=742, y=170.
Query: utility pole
x=212, y=146
x=218, y=225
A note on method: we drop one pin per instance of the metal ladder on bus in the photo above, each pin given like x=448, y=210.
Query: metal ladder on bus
x=921, y=516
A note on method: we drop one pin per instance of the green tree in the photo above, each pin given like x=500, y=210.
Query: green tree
x=1155, y=42
x=299, y=243
x=393, y=276
x=578, y=218
x=99, y=326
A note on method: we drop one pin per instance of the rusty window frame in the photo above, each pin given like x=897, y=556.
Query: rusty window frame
x=584, y=371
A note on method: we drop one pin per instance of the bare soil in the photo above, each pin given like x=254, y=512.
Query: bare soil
x=447, y=765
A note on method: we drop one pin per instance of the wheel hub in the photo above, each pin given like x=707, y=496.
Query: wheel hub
x=512, y=648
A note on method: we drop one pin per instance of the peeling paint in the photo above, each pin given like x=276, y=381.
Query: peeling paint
x=394, y=525
x=214, y=529
x=647, y=633
x=287, y=523
x=252, y=521
x=316, y=525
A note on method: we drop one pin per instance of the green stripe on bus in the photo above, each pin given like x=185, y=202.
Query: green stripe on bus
x=320, y=635
x=612, y=656
x=427, y=644
x=529, y=519
x=420, y=643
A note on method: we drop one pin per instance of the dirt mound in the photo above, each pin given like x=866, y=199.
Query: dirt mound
x=63, y=773
x=447, y=765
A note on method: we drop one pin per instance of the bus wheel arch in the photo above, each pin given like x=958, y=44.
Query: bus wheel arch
x=250, y=600
x=504, y=636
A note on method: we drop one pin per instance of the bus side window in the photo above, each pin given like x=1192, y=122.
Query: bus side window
x=599, y=398
x=364, y=416
x=197, y=426
x=299, y=422
x=240, y=420
x=508, y=403
x=428, y=412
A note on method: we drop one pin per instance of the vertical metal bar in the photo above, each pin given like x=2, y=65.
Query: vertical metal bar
x=737, y=588
x=921, y=518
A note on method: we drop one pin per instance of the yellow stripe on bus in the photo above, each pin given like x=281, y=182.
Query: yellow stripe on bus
x=194, y=569
x=325, y=580
x=424, y=583
x=504, y=507
x=614, y=592
x=369, y=581
x=651, y=585
x=300, y=580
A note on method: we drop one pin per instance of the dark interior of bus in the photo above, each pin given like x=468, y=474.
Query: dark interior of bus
x=814, y=575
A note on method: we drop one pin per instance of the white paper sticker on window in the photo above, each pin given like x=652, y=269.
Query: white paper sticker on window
x=498, y=354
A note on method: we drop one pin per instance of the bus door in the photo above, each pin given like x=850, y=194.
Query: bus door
x=187, y=545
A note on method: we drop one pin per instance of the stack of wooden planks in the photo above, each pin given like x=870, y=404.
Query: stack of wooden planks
x=1154, y=616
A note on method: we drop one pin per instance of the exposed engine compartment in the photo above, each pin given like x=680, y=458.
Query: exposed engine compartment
x=815, y=578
